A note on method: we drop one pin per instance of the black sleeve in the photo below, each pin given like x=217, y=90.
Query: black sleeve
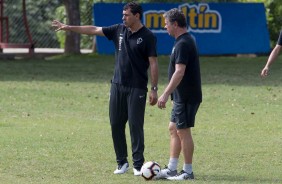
x=110, y=31
x=279, y=42
x=152, y=46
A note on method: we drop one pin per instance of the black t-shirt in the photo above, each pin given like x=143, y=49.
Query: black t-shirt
x=131, y=55
x=185, y=52
x=279, y=42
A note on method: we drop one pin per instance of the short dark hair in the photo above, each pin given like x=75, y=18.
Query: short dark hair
x=134, y=8
x=175, y=15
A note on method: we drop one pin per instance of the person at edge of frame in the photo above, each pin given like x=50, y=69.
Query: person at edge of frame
x=272, y=57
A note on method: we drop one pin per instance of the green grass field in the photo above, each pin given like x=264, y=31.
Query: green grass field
x=54, y=125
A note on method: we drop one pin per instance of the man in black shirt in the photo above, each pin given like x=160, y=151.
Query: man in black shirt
x=273, y=56
x=135, y=51
x=185, y=89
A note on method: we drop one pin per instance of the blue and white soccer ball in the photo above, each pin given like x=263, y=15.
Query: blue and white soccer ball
x=150, y=170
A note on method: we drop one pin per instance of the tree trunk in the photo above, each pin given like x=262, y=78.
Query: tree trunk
x=72, y=42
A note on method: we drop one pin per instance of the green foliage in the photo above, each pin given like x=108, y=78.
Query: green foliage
x=86, y=14
x=274, y=19
x=14, y=31
x=61, y=16
x=40, y=13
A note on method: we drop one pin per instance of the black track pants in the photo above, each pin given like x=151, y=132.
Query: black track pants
x=128, y=104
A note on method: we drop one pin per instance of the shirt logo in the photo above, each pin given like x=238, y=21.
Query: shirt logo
x=139, y=40
x=120, y=41
x=172, y=50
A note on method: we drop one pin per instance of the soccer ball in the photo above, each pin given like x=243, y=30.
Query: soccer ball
x=150, y=170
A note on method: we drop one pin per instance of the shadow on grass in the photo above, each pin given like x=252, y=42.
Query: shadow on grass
x=84, y=68
x=99, y=68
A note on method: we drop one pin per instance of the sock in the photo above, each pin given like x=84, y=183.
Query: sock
x=172, y=165
x=188, y=168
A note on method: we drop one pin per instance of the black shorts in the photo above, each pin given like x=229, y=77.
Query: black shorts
x=183, y=114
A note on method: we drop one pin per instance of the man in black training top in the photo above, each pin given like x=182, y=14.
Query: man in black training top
x=185, y=87
x=135, y=52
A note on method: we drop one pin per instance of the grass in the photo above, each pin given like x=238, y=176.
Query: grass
x=54, y=125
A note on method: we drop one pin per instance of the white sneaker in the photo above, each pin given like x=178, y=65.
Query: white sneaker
x=137, y=172
x=165, y=173
x=121, y=169
x=182, y=176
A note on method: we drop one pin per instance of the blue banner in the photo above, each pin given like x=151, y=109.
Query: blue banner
x=218, y=28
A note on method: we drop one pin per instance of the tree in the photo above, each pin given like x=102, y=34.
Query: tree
x=72, y=42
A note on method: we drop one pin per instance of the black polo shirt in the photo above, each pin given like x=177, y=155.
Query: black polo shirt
x=279, y=42
x=132, y=52
x=185, y=52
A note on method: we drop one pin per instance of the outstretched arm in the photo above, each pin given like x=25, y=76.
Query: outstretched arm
x=273, y=56
x=89, y=30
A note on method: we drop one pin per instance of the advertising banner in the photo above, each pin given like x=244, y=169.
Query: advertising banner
x=218, y=28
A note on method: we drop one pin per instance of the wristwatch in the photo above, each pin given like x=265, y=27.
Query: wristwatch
x=154, y=88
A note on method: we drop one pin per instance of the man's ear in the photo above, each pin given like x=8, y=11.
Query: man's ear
x=137, y=15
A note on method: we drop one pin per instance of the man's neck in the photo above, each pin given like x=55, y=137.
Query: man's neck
x=180, y=32
x=136, y=27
